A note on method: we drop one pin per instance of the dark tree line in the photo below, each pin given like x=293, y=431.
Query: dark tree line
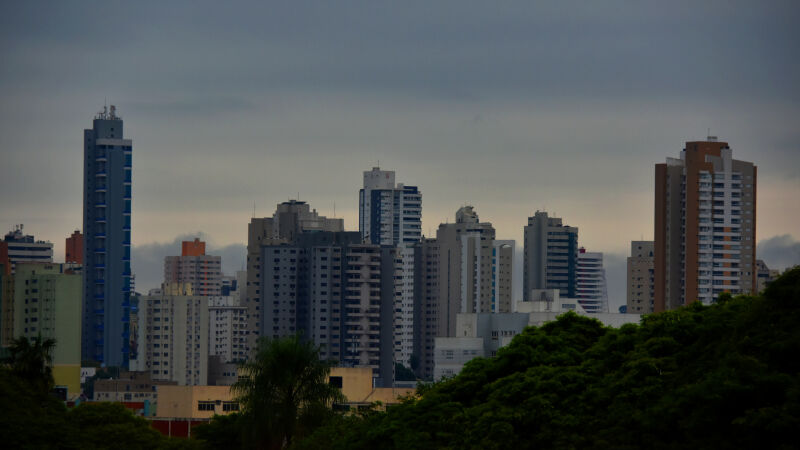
x=719, y=376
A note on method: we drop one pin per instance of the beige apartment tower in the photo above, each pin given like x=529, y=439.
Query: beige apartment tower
x=475, y=271
x=641, y=278
x=705, y=225
x=174, y=329
x=203, y=272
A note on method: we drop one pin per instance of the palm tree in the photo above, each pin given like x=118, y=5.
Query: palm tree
x=285, y=391
x=32, y=360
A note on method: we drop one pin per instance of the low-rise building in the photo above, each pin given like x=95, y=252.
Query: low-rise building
x=359, y=389
x=195, y=402
x=129, y=387
x=483, y=334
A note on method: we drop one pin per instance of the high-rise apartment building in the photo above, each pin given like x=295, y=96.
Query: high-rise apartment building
x=17, y=246
x=391, y=214
x=502, y=275
x=466, y=279
x=73, y=248
x=227, y=325
x=47, y=303
x=203, y=272
x=289, y=220
x=590, y=282
x=426, y=295
x=106, y=241
x=336, y=291
x=551, y=256
x=174, y=330
x=641, y=278
x=705, y=225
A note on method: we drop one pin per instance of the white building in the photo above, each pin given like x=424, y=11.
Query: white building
x=227, y=328
x=24, y=248
x=391, y=214
x=174, y=338
x=590, y=289
x=483, y=334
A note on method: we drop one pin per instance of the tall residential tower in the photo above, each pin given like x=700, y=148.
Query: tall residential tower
x=551, y=256
x=705, y=225
x=106, y=241
x=391, y=214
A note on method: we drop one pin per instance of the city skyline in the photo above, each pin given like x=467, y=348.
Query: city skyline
x=287, y=103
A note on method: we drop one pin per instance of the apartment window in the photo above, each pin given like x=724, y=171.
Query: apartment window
x=205, y=406
x=230, y=406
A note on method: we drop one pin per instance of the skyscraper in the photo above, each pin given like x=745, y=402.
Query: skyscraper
x=551, y=256
x=590, y=282
x=106, y=241
x=641, y=278
x=290, y=219
x=391, y=214
x=705, y=225
x=467, y=275
x=203, y=272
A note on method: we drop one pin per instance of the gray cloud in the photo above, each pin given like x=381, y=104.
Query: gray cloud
x=779, y=252
x=254, y=102
x=148, y=259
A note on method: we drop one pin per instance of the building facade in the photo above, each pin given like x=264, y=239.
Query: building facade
x=227, y=325
x=107, y=197
x=203, y=272
x=483, y=334
x=289, y=220
x=390, y=214
x=705, y=225
x=426, y=295
x=590, y=282
x=641, y=278
x=47, y=303
x=468, y=263
x=174, y=330
x=73, y=248
x=550, y=255
x=17, y=246
x=333, y=289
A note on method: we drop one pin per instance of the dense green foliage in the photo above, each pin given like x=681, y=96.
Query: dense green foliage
x=720, y=376
x=31, y=417
x=285, y=394
x=31, y=360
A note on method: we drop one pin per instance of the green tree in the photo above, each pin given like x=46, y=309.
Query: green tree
x=285, y=392
x=403, y=373
x=31, y=360
x=703, y=376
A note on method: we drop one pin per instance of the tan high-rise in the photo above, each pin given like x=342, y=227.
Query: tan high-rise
x=641, y=278
x=705, y=225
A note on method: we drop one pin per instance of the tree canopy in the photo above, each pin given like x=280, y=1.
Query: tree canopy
x=719, y=376
x=285, y=392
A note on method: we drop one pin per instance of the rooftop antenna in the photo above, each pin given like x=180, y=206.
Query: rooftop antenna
x=254, y=209
x=334, y=209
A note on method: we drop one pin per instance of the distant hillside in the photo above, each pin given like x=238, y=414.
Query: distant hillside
x=721, y=376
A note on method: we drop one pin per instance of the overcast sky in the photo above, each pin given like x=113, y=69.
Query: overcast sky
x=507, y=106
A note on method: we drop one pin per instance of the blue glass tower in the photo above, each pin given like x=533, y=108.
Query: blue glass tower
x=105, y=336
